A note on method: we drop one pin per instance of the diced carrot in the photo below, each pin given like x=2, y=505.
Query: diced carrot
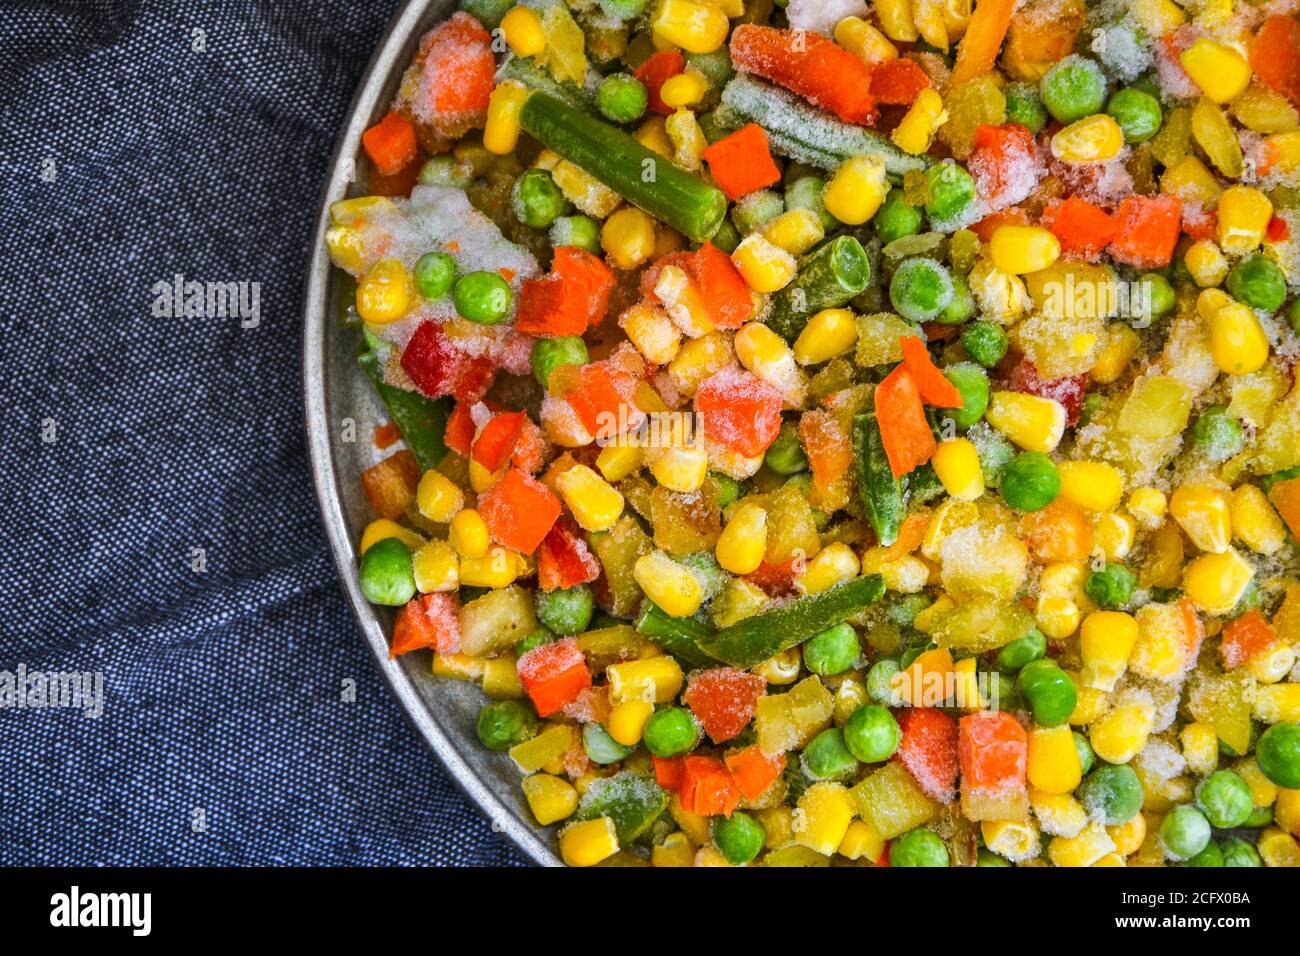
x=741, y=162
x=459, y=433
x=571, y=298
x=753, y=770
x=1146, y=231
x=390, y=485
x=809, y=64
x=553, y=675
x=655, y=71
x=722, y=290
x=427, y=620
x=827, y=445
x=564, y=558
x=723, y=700
x=530, y=449
x=911, y=533
x=935, y=389
x=458, y=66
x=669, y=772
x=399, y=183
x=1004, y=163
x=1246, y=638
x=1081, y=227
x=707, y=787
x=906, y=435
x=775, y=579
x=1278, y=230
x=1059, y=532
x=1285, y=496
x=519, y=510
x=438, y=368
x=929, y=750
x=993, y=751
x=1275, y=55
x=390, y=143
x=496, y=442
x=387, y=434
x=603, y=399
x=739, y=410
x=1200, y=223
x=983, y=38
x=898, y=82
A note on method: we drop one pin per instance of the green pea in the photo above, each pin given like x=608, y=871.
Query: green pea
x=962, y=305
x=622, y=98
x=1184, y=832
x=1048, y=691
x=1023, y=650
x=895, y=218
x=872, y=734
x=827, y=757
x=973, y=384
x=1030, y=481
x=537, y=200
x=1238, y=852
x=1002, y=691
x=580, y=231
x=910, y=654
x=739, y=837
x=386, y=575
x=1112, y=791
x=1225, y=799
x=715, y=66
x=806, y=193
x=1092, y=403
x=785, y=455
x=1218, y=433
x=1073, y=88
x=729, y=489
x=920, y=289
x=670, y=732
x=434, y=274
x=1257, y=281
x=1137, y=113
x=1156, y=289
x=994, y=451
x=756, y=210
x=446, y=171
x=727, y=237
x=482, y=297
x=504, y=723
x=1111, y=587
x=601, y=748
x=986, y=857
x=566, y=611
x=1084, y=749
x=903, y=608
x=878, y=680
x=1259, y=817
x=919, y=847
x=1210, y=856
x=550, y=354
x=985, y=342
x=833, y=651
x=1025, y=106
x=951, y=190
x=1278, y=754
x=535, y=639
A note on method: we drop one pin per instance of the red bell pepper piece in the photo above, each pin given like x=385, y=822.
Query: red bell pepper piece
x=497, y=439
x=1081, y=227
x=906, y=435
x=741, y=162
x=1004, y=163
x=723, y=291
x=1246, y=638
x=809, y=64
x=564, y=559
x=427, y=620
x=438, y=368
x=1146, y=231
x=898, y=82
x=707, y=787
x=740, y=410
x=1068, y=390
x=554, y=675
x=519, y=511
x=928, y=750
x=603, y=400
x=669, y=772
x=827, y=445
x=993, y=750
x=390, y=143
x=459, y=433
x=753, y=770
x=935, y=389
x=723, y=700
x=570, y=299
x=1275, y=55
x=654, y=72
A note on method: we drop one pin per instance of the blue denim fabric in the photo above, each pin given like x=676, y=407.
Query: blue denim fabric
x=135, y=148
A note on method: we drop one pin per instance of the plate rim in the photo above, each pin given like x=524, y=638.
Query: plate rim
x=388, y=57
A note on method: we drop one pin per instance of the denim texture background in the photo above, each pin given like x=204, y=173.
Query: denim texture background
x=140, y=140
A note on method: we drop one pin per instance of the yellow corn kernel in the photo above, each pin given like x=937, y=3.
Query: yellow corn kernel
x=652, y=332
x=1017, y=250
x=382, y=528
x=766, y=267
x=468, y=534
x=438, y=497
x=856, y=190
x=1092, y=485
x=1113, y=534
x=681, y=468
x=655, y=679
x=522, y=29
x=1262, y=790
x=586, y=844
x=544, y=750
x=864, y=41
x=1282, y=152
x=1210, y=301
x=1118, y=736
x=1273, y=664
x=616, y=462
x=829, y=333
x=861, y=842
x=698, y=358
x=822, y=817
x=1158, y=17
x=957, y=464
x=1254, y=522
x=347, y=212
x=670, y=585
x=1119, y=344
x=1277, y=848
x=1058, y=814
x=692, y=824
x=1129, y=836
x=1106, y=640
x=1244, y=214
x=595, y=503
x=436, y=567
x=1204, y=514
x=695, y=27
x=1014, y=840
x=1265, y=111
x=732, y=8
x=743, y=541
x=1001, y=296
x=501, y=678
x=896, y=20
x=675, y=851
x=458, y=666
x=385, y=293
x=1286, y=811
x=550, y=798
x=1190, y=181
x=498, y=568
x=924, y=622
x=1207, y=265
x=915, y=131
x=1215, y=135
x=1148, y=507
x=1216, y=582
x=689, y=142
x=832, y=565
x=627, y=721
x=1090, y=705
x=738, y=600
x=1220, y=71
x=1033, y=423
x=1110, y=859
x=684, y=90
x=501, y=134
x=1277, y=703
x=346, y=248
x=481, y=480
x=1093, y=139
x=966, y=685
x=628, y=237
x=1056, y=615
x=760, y=349
x=653, y=135
x=1053, y=763
x=1082, y=850
x=795, y=230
